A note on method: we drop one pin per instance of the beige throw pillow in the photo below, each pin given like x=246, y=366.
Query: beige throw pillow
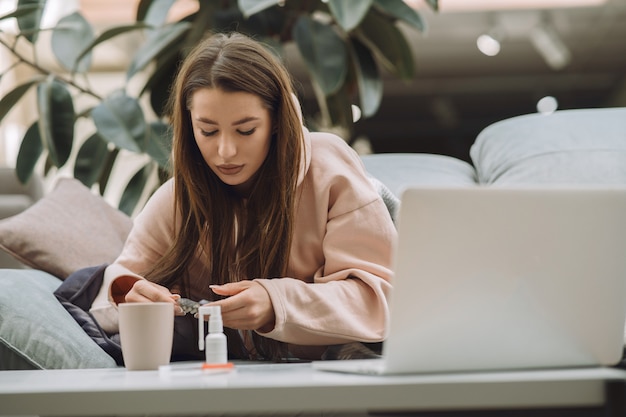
x=68, y=229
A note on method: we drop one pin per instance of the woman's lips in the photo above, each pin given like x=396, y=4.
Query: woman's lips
x=230, y=169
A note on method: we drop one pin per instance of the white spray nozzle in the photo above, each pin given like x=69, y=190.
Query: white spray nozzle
x=215, y=322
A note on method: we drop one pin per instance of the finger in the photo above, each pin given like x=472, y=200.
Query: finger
x=146, y=291
x=178, y=310
x=231, y=288
x=152, y=291
x=230, y=304
x=248, y=310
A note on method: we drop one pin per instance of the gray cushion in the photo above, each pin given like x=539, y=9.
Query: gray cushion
x=586, y=146
x=397, y=171
x=36, y=332
x=15, y=198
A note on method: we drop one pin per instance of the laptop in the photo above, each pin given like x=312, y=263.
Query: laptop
x=490, y=278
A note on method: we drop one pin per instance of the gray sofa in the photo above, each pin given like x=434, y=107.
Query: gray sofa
x=16, y=197
x=74, y=228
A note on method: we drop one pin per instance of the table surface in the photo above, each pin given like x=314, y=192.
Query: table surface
x=290, y=388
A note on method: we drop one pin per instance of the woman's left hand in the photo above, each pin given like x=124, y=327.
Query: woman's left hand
x=248, y=306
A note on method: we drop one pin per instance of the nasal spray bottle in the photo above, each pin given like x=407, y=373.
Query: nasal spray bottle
x=215, y=342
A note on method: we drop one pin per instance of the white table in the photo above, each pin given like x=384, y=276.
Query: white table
x=297, y=388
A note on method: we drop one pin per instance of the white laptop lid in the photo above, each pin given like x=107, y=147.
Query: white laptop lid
x=491, y=278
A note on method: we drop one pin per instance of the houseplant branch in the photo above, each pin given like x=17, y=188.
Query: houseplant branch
x=21, y=59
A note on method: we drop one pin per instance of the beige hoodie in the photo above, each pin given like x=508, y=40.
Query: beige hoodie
x=339, y=270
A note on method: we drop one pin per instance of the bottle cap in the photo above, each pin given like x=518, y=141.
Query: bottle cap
x=215, y=322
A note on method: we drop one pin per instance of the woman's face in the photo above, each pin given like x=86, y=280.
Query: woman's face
x=233, y=132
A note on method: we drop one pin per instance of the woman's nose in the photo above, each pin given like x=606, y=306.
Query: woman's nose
x=226, y=147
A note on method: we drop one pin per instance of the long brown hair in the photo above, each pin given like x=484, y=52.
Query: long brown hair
x=242, y=240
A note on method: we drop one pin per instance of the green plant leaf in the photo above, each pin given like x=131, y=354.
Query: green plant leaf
x=106, y=35
x=159, y=143
x=400, y=10
x=8, y=101
x=29, y=23
x=107, y=169
x=349, y=13
x=160, y=41
x=142, y=9
x=267, y=25
x=368, y=79
x=381, y=34
x=340, y=109
x=21, y=11
x=434, y=4
x=134, y=190
x=201, y=22
x=160, y=81
x=250, y=7
x=160, y=96
x=56, y=119
x=70, y=36
x=30, y=151
x=154, y=12
x=324, y=53
x=90, y=160
x=119, y=120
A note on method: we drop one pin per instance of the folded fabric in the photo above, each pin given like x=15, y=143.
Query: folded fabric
x=76, y=294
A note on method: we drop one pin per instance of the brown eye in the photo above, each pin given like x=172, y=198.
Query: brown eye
x=205, y=133
x=247, y=132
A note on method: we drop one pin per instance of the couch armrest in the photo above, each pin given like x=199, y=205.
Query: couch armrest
x=16, y=197
x=11, y=185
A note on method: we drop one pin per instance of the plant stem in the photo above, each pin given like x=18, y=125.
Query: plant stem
x=21, y=59
x=103, y=181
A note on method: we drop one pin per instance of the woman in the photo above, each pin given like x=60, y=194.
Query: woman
x=279, y=226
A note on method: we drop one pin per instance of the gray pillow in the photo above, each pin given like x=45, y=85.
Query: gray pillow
x=36, y=332
x=397, y=171
x=583, y=146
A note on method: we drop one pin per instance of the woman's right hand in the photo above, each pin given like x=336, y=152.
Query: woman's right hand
x=148, y=291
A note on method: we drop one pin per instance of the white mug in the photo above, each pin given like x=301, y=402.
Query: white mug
x=146, y=334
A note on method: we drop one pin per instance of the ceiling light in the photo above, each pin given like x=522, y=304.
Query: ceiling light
x=488, y=45
x=550, y=46
x=547, y=105
x=356, y=113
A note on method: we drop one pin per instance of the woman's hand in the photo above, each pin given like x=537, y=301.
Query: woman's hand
x=147, y=291
x=248, y=306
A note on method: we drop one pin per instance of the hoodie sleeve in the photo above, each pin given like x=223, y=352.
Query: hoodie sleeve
x=151, y=235
x=347, y=234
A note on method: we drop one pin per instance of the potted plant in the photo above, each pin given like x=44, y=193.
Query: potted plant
x=344, y=45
